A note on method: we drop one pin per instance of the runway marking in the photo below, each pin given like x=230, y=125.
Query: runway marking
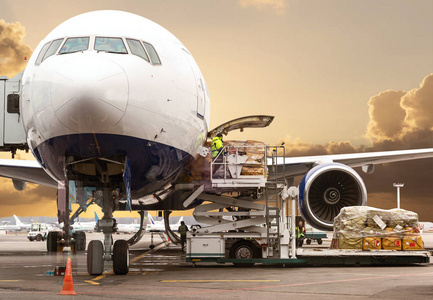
x=6, y=280
x=219, y=291
x=217, y=280
x=159, y=246
x=111, y=272
x=258, y=288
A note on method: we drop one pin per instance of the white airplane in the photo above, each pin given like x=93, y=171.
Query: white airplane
x=9, y=227
x=158, y=226
x=127, y=228
x=22, y=225
x=86, y=226
x=114, y=102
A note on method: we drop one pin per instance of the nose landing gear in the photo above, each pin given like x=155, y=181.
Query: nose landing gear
x=99, y=252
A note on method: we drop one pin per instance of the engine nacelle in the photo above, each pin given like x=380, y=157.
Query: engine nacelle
x=326, y=189
x=19, y=185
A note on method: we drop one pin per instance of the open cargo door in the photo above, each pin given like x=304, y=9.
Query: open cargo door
x=241, y=123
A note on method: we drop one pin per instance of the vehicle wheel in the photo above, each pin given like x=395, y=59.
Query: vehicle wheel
x=308, y=242
x=152, y=247
x=80, y=241
x=95, y=258
x=121, y=257
x=39, y=237
x=52, y=241
x=243, y=250
x=319, y=241
x=31, y=239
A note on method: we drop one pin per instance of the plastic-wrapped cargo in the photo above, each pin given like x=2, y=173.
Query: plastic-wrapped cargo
x=255, y=153
x=349, y=240
x=372, y=232
x=371, y=243
x=352, y=218
x=413, y=241
x=403, y=218
x=368, y=228
x=199, y=169
x=391, y=243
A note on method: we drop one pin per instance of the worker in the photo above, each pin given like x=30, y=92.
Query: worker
x=300, y=234
x=182, y=230
x=217, y=145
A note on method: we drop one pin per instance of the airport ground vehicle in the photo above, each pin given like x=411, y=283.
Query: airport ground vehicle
x=38, y=232
x=263, y=231
x=315, y=237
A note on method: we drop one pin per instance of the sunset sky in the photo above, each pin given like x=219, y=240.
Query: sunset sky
x=339, y=76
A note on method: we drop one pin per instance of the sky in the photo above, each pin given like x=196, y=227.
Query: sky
x=339, y=76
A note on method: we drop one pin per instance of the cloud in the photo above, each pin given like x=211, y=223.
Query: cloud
x=398, y=120
x=396, y=115
x=278, y=6
x=418, y=105
x=297, y=147
x=34, y=200
x=13, y=49
x=386, y=115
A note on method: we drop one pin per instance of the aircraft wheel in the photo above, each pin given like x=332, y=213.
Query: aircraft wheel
x=243, y=250
x=95, y=258
x=80, y=241
x=121, y=257
x=39, y=237
x=52, y=241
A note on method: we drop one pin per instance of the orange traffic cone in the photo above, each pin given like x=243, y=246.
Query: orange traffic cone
x=68, y=285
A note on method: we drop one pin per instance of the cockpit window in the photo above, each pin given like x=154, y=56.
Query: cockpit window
x=53, y=48
x=137, y=49
x=110, y=45
x=152, y=53
x=42, y=53
x=74, y=45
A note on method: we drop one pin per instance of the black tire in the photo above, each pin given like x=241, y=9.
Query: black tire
x=152, y=247
x=52, y=241
x=31, y=239
x=243, y=250
x=319, y=241
x=308, y=242
x=80, y=241
x=121, y=257
x=39, y=237
x=95, y=258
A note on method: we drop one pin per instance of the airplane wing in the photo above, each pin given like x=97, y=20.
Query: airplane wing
x=296, y=166
x=25, y=170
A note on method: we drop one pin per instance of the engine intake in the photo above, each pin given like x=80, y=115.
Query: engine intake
x=325, y=190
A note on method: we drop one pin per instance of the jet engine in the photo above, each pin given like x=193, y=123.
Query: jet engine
x=19, y=185
x=326, y=189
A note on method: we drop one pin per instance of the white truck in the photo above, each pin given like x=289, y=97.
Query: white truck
x=38, y=232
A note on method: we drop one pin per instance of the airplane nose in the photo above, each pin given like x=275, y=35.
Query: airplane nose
x=89, y=94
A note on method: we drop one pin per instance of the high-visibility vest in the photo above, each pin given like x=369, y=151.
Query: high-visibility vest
x=183, y=229
x=299, y=232
x=217, y=145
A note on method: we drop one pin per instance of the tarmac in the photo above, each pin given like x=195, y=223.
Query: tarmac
x=162, y=273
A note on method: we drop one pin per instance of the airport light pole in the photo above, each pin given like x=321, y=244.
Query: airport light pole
x=398, y=186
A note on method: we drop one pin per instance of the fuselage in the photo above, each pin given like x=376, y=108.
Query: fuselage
x=108, y=85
